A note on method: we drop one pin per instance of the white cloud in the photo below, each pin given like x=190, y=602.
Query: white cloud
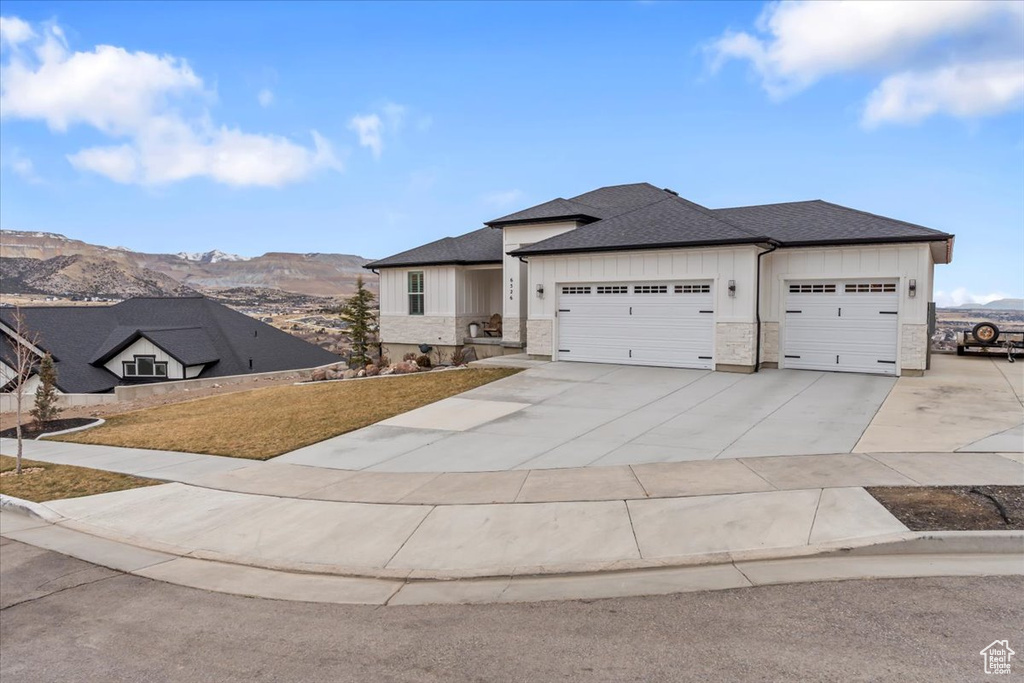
x=961, y=296
x=265, y=97
x=369, y=128
x=503, y=197
x=22, y=166
x=14, y=31
x=963, y=91
x=922, y=46
x=141, y=98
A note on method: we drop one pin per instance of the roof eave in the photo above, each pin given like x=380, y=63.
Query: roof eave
x=641, y=247
x=941, y=237
x=423, y=264
x=578, y=217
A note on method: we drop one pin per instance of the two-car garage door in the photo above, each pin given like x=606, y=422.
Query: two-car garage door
x=841, y=325
x=657, y=323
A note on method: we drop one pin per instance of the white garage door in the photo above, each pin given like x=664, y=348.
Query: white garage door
x=649, y=323
x=842, y=325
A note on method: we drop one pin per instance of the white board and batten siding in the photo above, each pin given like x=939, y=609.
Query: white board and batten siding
x=144, y=347
x=656, y=323
x=439, y=297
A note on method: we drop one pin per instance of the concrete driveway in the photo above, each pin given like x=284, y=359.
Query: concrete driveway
x=579, y=415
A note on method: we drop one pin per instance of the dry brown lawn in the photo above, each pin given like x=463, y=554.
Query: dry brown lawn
x=43, y=481
x=262, y=423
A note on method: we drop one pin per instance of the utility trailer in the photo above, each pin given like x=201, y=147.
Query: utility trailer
x=985, y=338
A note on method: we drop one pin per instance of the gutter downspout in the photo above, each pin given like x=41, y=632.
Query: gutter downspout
x=757, y=302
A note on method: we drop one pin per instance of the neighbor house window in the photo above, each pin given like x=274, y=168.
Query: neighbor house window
x=145, y=366
x=416, y=292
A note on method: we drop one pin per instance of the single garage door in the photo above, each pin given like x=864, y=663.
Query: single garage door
x=842, y=325
x=650, y=323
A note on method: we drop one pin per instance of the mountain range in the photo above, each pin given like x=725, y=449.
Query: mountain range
x=50, y=263
x=997, y=305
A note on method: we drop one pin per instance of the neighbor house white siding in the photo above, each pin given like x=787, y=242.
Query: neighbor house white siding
x=144, y=347
x=734, y=315
x=900, y=262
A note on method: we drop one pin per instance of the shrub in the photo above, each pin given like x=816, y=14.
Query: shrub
x=423, y=361
x=458, y=357
x=46, y=407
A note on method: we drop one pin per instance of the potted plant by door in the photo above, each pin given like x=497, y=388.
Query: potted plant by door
x=474, y=329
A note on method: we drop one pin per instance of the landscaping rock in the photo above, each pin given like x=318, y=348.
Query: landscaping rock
x=372, y=370
x=319, y=375
x=389, y=370
x=406, y=367
x=361, y=373
x=332, y=374
x=348, y=374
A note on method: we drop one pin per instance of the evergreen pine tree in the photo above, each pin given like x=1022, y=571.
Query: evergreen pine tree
x=358, y=312
x=46, y=407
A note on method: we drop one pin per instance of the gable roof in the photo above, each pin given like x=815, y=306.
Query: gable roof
x=480, y=246
x=193, y=330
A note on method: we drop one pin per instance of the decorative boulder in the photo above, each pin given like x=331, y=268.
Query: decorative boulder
x=332, y=374
x=406, y=367
x=361, y=373
x=389, y=370
x=348, y=374
x=372, y=370
x=319, y=375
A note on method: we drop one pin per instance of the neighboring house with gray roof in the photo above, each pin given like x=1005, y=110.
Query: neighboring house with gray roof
x=144, y=340
x=637, y=275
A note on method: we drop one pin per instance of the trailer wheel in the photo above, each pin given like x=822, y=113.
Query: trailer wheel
x=986, y=333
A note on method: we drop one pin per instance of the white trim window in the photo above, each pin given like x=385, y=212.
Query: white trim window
x=145, y=366
x=415, y=280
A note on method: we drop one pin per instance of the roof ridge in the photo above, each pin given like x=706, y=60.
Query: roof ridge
x=710, y=213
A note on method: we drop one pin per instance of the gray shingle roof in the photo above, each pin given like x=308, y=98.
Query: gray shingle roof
x=604, y=202
x=669, y=222
x=192, y=328
x=480, y=246
x=820, y=222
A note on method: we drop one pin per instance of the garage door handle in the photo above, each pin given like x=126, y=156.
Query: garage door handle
x=888, y=362
x=794, y=311
x=563, y=310
x=791, y=356
x=703, y=357
x=563, y=350
x=707, y=311
x=889, y=312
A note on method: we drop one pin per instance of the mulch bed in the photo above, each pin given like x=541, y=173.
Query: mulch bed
x=29, y=431
x=954, y=508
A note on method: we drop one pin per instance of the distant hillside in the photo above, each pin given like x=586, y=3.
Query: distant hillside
x=307, y=274
x=84, y=276
x=997, y=305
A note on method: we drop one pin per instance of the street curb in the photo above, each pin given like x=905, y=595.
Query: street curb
x=99, y=421
x=1002, y=559
x=29, y=509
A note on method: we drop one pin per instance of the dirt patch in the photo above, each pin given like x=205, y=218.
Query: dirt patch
x=954, y=508
x=31, y=430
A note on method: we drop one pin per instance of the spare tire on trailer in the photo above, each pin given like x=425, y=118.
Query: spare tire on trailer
x=986, y=333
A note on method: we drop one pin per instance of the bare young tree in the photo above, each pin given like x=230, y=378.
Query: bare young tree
x=26, y=359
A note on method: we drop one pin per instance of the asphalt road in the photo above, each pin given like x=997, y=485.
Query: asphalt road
x=65, y=620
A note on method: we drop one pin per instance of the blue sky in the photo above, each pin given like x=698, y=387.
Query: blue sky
x=371, y=128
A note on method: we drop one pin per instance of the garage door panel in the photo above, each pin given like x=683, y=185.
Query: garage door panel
x=637, y=323
x=846, y=326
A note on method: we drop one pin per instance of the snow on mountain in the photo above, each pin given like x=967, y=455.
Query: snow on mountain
x=215, y=256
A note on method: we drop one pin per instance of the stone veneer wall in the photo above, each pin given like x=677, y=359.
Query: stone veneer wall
x=419, y=329
x=914, y=347
x=734, y=344
x=538, y=337
x=769, y=342
x=510, y=329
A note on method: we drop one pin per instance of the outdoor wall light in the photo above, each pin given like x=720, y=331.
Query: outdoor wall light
x=540, y=291
x=912, y=290
x=732, y=288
